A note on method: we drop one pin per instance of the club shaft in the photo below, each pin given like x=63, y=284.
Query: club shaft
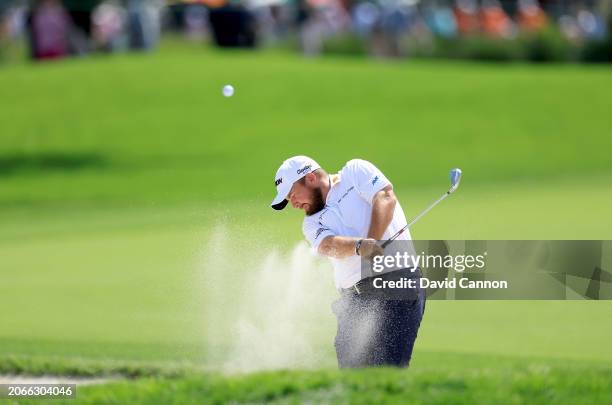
x=425, y=211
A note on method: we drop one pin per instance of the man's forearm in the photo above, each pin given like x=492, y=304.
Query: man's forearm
x=338, y=247
x=383, y=207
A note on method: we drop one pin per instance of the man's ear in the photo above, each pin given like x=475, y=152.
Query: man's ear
x=311, y=179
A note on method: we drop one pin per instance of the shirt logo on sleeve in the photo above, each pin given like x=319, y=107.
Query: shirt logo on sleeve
x=320, y=231
x=374, y=180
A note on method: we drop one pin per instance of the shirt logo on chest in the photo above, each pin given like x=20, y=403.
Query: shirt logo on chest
x=345, y=194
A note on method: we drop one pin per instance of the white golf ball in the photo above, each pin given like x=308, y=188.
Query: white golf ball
x=228, y=90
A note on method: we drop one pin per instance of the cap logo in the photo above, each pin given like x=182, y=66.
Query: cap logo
x=278, y=181
x=304, y=169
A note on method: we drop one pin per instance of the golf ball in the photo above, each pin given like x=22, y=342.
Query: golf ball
x=228, y=90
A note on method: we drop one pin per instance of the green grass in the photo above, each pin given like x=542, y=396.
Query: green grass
x=121, y=284
x=507, y=382
x=154, y=128
x=434, y=377
x=119, y=175
x=533, y=385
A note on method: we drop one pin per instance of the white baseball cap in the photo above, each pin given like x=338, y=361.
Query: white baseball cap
x=288, y=173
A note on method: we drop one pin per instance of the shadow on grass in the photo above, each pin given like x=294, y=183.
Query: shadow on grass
x=22, y=163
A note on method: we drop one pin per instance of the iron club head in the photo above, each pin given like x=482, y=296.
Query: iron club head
x=455, y=178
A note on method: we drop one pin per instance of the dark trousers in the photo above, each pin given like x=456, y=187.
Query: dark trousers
x=376, y=331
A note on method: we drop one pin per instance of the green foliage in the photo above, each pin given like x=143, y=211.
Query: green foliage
x=547, y=45
x=544, y=46
x=479, y=48
x=346, y=44
x=598, y=51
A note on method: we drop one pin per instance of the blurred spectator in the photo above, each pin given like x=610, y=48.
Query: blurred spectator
x=583, y=24
x=466, y=15
x=395, y=17
x=393, y=25
x=385, y=27
x=108, y=26
x=4, y=34
x=4, y=22
x=196, y=21
x=13, y=16
x=326, y=18
x=233, y=26
x=81, y=28
x=494, y=20
x=531, y=17
x=441, y=21
x=49, y=26
x=275, y=19
x=268, y=19
x=80, y=13
x=570, y=29
x=592, y=26
x=365, y=16
x=143, y=24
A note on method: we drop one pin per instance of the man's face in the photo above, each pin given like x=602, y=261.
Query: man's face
x=306, y=195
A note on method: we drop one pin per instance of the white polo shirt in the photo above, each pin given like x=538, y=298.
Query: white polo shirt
x=347, y=212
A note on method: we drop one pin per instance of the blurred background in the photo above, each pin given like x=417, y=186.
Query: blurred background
x=502, y=30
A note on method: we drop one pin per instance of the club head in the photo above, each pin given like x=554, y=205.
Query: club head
x=455, y=178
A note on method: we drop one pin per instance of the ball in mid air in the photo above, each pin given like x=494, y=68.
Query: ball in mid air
x=228, y=90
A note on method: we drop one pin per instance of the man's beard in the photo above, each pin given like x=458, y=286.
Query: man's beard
x=317, y=203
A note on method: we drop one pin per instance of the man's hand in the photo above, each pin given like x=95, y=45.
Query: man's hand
x=369, y=249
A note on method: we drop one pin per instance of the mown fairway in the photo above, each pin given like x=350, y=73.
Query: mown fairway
x=126, y=181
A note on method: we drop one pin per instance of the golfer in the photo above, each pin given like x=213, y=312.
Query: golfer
x=345, y=215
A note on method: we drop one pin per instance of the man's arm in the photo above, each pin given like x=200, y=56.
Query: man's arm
x=340, y=247
x=383, y=207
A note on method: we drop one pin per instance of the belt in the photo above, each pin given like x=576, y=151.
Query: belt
x=366, y=284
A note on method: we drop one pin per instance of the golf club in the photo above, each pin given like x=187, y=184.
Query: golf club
x=455, y=178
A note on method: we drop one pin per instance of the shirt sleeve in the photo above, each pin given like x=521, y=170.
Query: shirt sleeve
x=367, y=178
x=315, y=233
